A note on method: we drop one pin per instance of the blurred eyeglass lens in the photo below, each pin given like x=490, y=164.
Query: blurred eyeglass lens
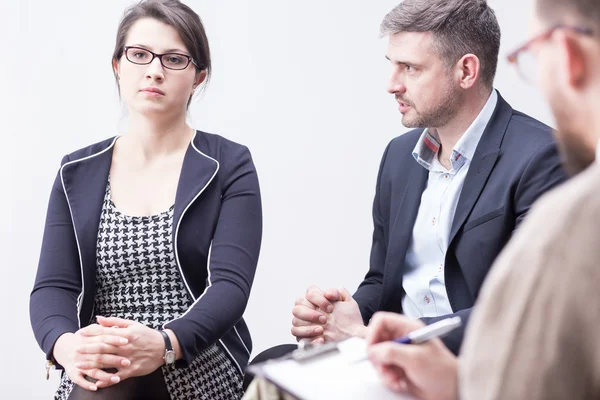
x=527, y=66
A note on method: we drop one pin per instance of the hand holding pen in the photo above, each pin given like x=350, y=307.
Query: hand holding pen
x=425, y=368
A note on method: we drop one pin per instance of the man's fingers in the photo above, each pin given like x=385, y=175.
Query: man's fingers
x=393, y=354
x=392, y=371
x=306, y=314
x=301, y=301
x=398, y=386
x=378, y=329
x=387, y=326
x=395, y=379
x=301, y=322
x=333, y=295
x=313, y=288
x=318, y=299
x=307, y=332
x=413, y=360
x=391, y=380
x=345, y=295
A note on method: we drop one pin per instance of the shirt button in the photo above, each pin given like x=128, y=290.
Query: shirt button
x=426, y=298
x=433, y=221
x=441, y=267
x=446, y=176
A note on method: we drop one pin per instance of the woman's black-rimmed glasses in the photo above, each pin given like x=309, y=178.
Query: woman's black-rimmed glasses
x=174, y=61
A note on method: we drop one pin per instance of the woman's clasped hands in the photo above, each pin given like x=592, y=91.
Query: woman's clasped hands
x=108, y=352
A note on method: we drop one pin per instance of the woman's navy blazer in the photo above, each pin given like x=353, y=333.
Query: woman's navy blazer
x=217, y=229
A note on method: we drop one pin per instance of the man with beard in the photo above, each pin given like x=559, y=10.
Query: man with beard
x=450, y=193
x=534, y=332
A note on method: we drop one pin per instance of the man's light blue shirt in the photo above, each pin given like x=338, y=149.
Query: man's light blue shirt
x=423, y=281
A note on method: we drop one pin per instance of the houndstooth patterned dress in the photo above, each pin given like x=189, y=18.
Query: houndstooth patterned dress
x=137, y=278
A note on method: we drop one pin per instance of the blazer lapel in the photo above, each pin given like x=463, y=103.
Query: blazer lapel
x=482, y=165
x=197, y=172
x=401, y=236
x=84, y=182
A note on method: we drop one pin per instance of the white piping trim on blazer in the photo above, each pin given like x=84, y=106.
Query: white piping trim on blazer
x=62, y=180
x=241, y=340
x=181, y=219
x=207, y=260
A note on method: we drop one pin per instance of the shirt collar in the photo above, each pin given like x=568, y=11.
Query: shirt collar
x=425, y=152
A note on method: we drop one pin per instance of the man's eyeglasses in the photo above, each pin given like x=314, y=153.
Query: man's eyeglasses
x=524, y=59
x=175, y=61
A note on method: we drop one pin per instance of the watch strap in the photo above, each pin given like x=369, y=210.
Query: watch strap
x=169, y=356
x=168, y=345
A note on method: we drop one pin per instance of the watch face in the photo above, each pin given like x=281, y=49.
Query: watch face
x=170, y=357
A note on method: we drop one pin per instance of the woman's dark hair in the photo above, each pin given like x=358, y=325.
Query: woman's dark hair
x=173, y=13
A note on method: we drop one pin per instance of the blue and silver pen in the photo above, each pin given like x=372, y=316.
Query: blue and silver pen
x=436, y=330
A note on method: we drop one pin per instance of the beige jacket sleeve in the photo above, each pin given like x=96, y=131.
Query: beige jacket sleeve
x=535, y=332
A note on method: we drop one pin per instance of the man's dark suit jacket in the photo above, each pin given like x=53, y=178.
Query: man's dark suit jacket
x=516, y=161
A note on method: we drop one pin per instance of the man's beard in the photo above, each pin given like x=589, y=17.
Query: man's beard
x=440, y=114
x=574, y=153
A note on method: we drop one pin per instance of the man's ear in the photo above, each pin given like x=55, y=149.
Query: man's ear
x=469, y=70
x=573, y=59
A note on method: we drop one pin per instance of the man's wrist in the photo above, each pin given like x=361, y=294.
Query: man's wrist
x=360, y=331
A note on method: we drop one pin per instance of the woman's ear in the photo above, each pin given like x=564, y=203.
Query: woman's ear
x=200, y=77
x=115, y=65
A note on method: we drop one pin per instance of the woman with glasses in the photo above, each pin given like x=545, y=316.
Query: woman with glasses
x=152, y=238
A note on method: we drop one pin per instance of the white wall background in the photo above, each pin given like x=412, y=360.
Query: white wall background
x=301, y=83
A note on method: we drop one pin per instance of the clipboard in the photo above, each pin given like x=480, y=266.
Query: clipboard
x=330, y=371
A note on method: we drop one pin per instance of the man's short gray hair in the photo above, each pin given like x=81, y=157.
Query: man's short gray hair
x=587, y=12
x=459, y=27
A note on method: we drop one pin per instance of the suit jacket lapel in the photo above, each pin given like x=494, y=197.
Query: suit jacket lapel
x=482, y=165
x=401, y=236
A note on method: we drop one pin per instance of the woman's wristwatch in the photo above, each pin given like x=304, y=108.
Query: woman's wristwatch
x=169, y=356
